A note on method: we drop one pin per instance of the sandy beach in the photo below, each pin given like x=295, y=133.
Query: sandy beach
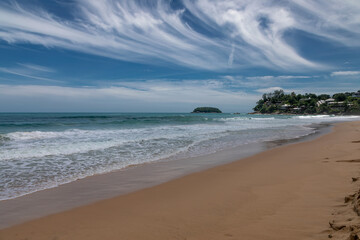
x=306, y=190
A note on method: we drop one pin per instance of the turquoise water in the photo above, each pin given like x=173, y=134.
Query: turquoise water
x=44, y=150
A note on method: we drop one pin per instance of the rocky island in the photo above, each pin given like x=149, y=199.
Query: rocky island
x=206, y=110
x=278, y=102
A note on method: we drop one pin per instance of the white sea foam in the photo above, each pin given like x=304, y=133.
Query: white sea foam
x=330, y=117
x=33, y=135
x=262, y=119
x=39, y=144
x=315, y=116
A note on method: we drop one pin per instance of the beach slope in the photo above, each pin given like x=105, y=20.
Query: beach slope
x=290, y=192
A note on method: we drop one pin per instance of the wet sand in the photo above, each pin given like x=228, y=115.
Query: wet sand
x=290, y=192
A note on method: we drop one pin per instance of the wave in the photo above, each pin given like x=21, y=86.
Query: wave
x=32, y=125
x=36, y=135
x=4, y=139
x=45, y=143
x=315, y=116
x=327, y=117
x=235, y=119
x=82, y=117
x=262, y=119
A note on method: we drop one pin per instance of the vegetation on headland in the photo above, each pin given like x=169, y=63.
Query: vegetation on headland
x=206, y=110
x=278, y=102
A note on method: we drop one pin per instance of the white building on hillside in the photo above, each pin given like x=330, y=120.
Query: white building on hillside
x=321, y=102
x=285, y=106
x=329, y=100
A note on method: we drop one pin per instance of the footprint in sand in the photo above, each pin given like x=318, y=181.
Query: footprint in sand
x=350, y=161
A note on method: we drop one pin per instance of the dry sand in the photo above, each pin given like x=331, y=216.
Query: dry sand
x=290, y=192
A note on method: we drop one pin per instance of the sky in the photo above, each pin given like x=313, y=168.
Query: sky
x=172, y=56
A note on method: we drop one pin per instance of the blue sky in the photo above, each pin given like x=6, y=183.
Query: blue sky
x=172, y=56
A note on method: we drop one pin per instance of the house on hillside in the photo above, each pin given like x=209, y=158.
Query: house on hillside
x=285, y=106
x=339, y=106
x=321, y=102
x=336, y=103
x=329, y=101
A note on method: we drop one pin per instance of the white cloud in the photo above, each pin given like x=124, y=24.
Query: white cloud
x=252, y=31
x=304, y=89
x=270, y=89
x=158, y=95
x=261, y=78
x=231, y=56
x=345, y=73
x=262, y=81
x=279, y=77
x=295, y=77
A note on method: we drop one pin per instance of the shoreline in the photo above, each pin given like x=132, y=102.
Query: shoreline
x=289, y=192
x=124, y=181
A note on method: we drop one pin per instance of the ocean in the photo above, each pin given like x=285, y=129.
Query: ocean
x=44, y=150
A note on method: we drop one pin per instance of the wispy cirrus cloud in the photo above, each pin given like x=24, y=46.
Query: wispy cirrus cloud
x=243, y=32
x=331, y=19
x=30, y=71
x=117, y=29
x=36, y=67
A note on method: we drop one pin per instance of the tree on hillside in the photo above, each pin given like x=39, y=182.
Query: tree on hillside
x=339, y=97
x=279, y=102
x=323, y=96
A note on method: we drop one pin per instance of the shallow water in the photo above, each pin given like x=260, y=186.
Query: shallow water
x=44, y=150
